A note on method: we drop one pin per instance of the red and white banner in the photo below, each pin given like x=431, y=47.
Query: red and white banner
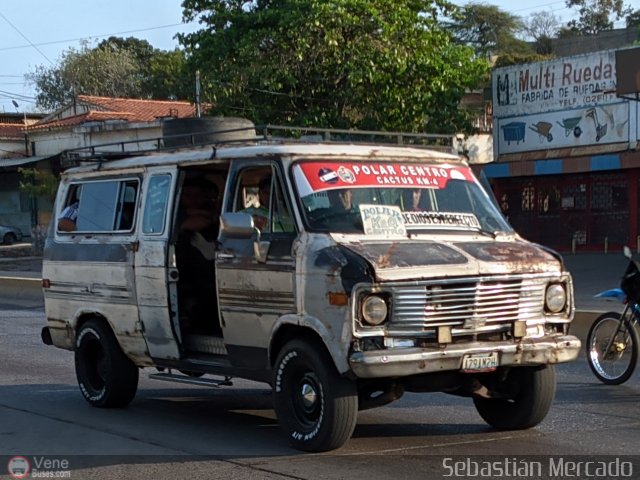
x=320, y=176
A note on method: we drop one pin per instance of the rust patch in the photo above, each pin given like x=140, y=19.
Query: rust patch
x=385, y=259
x=514, y=254
x=410, y=254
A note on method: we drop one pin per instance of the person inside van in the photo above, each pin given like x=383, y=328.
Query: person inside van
x=69, y=216
x=260, y=213
x=414, y=200
x=195, y=247
x=341, y=199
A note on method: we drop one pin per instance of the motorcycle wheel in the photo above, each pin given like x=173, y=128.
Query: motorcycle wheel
x=615, y=366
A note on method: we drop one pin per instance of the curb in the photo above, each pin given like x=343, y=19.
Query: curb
x=21, y=283
x=22, y=289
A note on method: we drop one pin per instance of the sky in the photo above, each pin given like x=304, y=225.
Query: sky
x=37, y=32
x=524, y=8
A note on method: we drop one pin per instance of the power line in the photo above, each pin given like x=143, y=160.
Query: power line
x=25, y=37
x=16, y=95
x=125, y=32
x=541, y=6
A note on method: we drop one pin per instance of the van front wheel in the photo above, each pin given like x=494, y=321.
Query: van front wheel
x=106, y=376
x=316, y=407
x=528, y=393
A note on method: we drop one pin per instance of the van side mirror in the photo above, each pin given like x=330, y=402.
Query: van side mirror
x=240, y=225
x=237, y=225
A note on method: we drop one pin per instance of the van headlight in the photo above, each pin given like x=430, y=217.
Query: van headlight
x=374, y=310
x=555, y=298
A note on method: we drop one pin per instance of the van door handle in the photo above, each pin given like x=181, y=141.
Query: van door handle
x=225, y=256
x=173, y=275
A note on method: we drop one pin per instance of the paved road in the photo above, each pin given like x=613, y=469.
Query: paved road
x=190, y=432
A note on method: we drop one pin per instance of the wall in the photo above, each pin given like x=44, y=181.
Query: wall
x=55, y=141
x=605, y=40
x=15, y=207
x=11, y=148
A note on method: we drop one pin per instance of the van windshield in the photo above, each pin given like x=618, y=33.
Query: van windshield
x=394, y=198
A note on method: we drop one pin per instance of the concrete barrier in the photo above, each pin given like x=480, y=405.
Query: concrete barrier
x=21, y=288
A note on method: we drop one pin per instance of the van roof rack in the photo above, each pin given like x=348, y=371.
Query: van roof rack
x=259, y=134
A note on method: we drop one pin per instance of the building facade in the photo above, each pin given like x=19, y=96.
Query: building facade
x=85, y=122
x=566, y=164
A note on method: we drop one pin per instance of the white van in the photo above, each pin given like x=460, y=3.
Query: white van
x=342, y=275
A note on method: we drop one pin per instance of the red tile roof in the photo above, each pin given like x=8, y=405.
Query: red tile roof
x=141, y=110
x=128, y=109
x=11, y=130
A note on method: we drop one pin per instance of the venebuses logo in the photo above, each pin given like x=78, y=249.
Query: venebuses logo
x=18, y=467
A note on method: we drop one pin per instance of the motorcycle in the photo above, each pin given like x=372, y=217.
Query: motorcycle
x=613, y=341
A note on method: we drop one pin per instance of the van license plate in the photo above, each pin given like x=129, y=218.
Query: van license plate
x=480, y=362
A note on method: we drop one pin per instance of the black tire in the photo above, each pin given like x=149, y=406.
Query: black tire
x=9, y=238
x=316, y=407
x=532, y=390
x=106, y=376
x=616, y=366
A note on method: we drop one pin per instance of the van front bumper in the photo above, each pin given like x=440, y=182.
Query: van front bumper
x=401, y=362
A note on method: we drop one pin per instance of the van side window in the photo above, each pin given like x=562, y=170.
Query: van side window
x=155, y=208
x=127, y=205
x=107, y=206
x=260, y=194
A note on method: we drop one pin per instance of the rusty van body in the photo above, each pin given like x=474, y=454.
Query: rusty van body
x=364, y=272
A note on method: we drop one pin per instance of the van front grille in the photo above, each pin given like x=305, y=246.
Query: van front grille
x=467, y=303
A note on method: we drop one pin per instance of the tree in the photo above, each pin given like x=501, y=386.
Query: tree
x=163, y=74
x=379, y=64
x=488, y=29
x=98, y=71
x=142, y=50
x=633, y=18
x=38, y=183
x=543, y=27
x=595, y=16
x=117, y=67
x=169, y=76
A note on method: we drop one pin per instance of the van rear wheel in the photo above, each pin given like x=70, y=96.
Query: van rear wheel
x=316, y=407
x=106, y=376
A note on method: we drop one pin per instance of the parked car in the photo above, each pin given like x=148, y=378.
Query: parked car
x=10, y=235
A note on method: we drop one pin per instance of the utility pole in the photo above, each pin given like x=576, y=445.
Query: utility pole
x=24, y=121
x=198, y=109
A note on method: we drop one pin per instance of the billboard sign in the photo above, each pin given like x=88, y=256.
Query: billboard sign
x=563, y=129
x=561, y=84
x=562, y=103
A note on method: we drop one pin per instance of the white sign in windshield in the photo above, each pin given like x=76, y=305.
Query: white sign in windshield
x=382, y=220
x=416, y=220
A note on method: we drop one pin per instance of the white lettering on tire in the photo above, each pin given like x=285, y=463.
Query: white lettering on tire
x=283, y=364
x=298, y=436
x=83, y=389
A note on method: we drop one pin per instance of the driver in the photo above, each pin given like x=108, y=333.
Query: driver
x=341, y=199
